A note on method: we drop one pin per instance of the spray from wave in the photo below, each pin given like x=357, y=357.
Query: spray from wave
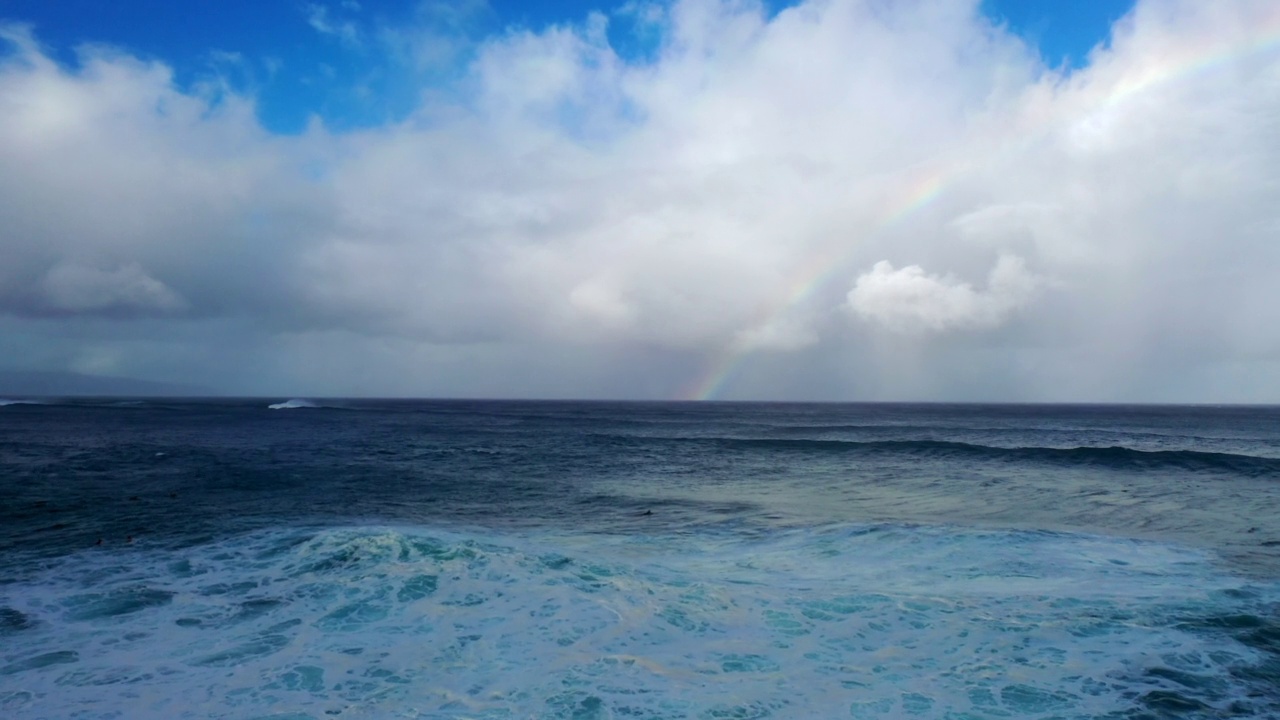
x=293, y=404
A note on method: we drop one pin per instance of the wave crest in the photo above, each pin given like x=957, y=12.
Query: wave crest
x=293, y=404
x=7, y=401
x=1113, y=456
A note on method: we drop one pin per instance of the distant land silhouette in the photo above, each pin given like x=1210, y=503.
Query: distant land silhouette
x=24, y=383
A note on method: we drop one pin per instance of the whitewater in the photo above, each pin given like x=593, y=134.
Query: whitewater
x=433, y=559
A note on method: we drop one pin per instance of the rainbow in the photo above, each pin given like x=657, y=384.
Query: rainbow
x=1195, y=60
x=808, y=279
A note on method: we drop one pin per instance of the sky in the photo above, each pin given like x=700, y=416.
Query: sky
x=952, y=200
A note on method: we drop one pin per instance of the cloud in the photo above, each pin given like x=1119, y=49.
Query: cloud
x=561, y=213
x=129, y=289
x=321, y=20
x=910, y=301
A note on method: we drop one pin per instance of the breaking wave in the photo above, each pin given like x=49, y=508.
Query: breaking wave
x=7, y=401
x=1108, y=457
x=293, y=404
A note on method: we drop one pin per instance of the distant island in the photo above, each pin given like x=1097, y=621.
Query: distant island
x=24, y=383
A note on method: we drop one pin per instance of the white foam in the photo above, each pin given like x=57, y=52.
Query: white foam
x=885, y=621
x=293, y=404
x=6, y=401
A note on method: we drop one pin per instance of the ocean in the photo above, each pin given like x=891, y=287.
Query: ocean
x=293, y=559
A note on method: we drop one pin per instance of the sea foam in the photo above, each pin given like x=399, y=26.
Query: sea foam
x=293, y=404
x=869, y=621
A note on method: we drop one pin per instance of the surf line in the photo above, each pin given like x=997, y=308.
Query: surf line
x=1196, y=58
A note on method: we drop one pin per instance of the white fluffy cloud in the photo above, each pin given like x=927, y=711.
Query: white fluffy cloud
x=569, y=218
x=909, y=300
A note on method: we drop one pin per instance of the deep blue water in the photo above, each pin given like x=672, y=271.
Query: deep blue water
x=465, y=559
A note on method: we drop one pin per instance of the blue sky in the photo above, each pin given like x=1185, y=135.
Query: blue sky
x=336, y=59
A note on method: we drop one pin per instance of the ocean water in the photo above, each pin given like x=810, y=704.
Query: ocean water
x=427, y=559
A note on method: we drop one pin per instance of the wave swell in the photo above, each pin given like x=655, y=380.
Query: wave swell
x=1108, y=457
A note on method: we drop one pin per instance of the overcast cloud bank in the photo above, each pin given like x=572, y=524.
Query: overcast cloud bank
x=847, y=200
